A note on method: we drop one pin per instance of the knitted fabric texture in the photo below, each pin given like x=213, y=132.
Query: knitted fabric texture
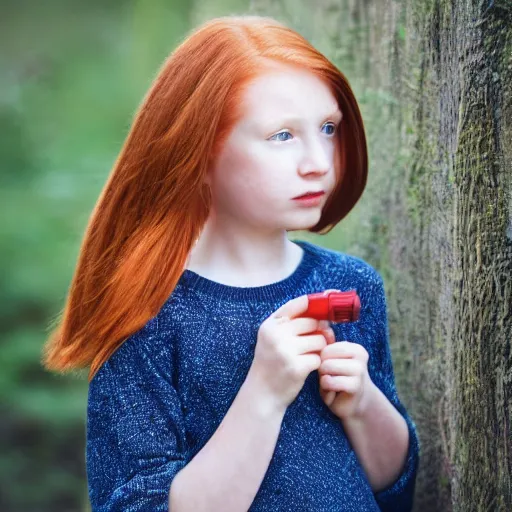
x=161, y=396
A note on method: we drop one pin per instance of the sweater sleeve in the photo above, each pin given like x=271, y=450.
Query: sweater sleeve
x=136, y=441
x=398, y=496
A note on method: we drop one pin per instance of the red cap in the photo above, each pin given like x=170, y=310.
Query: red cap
x=334, y=306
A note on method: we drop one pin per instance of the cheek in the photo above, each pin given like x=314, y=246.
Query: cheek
x=235, y=186
x=250, y=176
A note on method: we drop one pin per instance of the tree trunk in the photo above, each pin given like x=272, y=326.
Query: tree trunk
x=434, y=82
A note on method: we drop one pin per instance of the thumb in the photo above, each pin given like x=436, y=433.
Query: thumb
x=292, y=308
x=329, y=335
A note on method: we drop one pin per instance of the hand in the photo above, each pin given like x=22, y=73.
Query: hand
x=287, y=350
x=345, y=385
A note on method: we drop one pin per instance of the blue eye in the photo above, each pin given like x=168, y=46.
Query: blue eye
x=277, y=135
x=331, y=125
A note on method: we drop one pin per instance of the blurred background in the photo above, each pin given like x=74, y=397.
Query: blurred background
x=73, y=75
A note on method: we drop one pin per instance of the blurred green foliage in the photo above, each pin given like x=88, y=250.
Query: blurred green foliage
x=73, y=75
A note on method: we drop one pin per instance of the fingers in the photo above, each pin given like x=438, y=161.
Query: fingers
x=312, y=343
x=304, y=325
x=295, y=307
x=339, y=383
x=347, y=350
x=342, y=367
x=329, y=397
x=328, y=332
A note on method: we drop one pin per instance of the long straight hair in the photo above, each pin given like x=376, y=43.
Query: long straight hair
x=155, y=201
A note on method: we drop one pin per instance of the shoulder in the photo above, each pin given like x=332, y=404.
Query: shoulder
x=147, y=351
x=348, y=265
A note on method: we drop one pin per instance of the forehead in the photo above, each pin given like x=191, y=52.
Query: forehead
x=287, y=91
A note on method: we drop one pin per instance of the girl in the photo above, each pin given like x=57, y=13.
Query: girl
x=207, y=388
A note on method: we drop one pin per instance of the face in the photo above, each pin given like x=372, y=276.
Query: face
x=283, y=147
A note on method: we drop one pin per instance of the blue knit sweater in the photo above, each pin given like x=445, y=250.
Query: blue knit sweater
x=160, y=397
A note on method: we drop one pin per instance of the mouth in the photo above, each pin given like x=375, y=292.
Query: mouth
x=310, y=195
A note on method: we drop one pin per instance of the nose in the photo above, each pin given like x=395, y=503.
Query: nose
x=318, y=155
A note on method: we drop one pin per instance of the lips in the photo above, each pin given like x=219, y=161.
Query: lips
x=310, y=194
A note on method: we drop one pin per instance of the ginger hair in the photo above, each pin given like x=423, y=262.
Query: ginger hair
x=155, y=202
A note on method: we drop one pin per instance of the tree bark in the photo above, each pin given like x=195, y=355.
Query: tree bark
x=434, y=82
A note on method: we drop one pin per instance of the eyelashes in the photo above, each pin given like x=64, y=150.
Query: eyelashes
x=287, y=132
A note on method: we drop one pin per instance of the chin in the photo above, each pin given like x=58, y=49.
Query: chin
x=302, y=225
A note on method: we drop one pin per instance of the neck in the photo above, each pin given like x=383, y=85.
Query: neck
x=243, y=259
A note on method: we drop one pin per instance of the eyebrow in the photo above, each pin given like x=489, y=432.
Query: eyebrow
x=335, y=113
x=289, y=119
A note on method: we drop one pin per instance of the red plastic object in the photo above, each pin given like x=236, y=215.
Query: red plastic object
x=334, y=306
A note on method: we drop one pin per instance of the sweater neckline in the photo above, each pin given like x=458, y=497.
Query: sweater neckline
x=286, y=287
